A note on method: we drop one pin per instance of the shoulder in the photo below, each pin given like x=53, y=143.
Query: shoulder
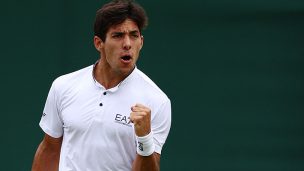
x=71, y=79
x=149, y=87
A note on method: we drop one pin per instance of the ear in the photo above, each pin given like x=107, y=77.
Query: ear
x=98, y=43
x=142, y=41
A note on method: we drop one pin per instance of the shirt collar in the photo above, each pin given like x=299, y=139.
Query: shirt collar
x=113, y=89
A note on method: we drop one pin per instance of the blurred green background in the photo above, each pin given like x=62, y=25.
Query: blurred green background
x=232, y=69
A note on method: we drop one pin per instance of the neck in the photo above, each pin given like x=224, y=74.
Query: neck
x=106, y=76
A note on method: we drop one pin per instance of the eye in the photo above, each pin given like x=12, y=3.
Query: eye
x=135, y=35
x=117, y=35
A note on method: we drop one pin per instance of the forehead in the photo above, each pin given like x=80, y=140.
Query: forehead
x=127, y=26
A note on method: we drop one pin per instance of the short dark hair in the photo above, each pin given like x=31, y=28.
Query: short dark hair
x=116, y=12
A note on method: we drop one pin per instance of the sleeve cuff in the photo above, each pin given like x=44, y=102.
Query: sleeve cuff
x=49, y=131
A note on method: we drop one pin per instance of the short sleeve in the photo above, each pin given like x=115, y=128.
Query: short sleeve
x=161, y=124
x=51, y=122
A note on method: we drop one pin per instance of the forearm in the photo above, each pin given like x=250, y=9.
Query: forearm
x=46, y=158
x=146, y=163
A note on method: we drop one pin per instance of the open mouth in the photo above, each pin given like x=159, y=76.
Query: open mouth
x=126, y=58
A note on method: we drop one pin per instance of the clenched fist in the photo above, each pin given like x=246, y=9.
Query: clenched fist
x=141, y=118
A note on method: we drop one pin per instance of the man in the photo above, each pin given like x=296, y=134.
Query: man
x=108, y=116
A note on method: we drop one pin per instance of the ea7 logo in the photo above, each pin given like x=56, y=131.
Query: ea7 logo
x=119, y=118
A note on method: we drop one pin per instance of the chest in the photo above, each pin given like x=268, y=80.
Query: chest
x=99, y=114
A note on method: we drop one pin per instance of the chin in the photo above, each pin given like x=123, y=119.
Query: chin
x=126, y=71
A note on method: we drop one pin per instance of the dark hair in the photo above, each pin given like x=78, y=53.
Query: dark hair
x=116, y=12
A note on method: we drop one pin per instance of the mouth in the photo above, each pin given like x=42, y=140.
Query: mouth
x=126, y=58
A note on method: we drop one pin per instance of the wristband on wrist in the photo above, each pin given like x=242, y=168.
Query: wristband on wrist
x=145, y=145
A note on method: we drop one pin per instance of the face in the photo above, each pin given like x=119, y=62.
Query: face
x=121, y=48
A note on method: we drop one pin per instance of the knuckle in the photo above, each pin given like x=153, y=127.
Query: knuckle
x=149, y=110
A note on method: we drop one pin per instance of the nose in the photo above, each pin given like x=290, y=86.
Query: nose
x=127, y=43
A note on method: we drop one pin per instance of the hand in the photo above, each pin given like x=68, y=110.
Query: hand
x=141, y=117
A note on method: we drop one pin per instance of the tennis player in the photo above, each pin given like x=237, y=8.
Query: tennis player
x=108, y=116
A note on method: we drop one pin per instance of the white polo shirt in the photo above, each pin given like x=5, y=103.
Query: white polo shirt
x=94, y=122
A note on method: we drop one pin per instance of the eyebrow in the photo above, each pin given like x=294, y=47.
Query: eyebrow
x=134, y=31
x=120, y=32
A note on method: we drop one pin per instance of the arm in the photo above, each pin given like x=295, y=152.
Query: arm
x=47, y=154
x=141, y=117
x=146, y=163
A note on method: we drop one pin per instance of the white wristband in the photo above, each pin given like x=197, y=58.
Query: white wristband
x=145, y=145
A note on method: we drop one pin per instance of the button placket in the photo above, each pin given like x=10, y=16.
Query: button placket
x=102, y=98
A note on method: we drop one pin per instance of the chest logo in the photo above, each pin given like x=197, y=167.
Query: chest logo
x=122, y=119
